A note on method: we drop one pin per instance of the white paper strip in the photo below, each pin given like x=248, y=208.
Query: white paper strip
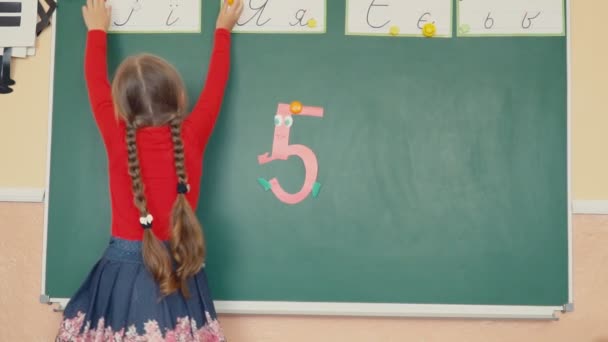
x=510, y=18
x=399, y=17
x=21, y=52
x=282, y=16
x=155, y=16
x=32, y=195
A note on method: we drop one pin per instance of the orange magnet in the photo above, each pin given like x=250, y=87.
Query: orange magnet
x=295, y=107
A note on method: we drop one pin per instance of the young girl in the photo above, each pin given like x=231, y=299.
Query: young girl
x=149, y=285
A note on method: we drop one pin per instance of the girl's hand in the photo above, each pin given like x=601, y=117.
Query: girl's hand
x=229, y=14
x=96, y=15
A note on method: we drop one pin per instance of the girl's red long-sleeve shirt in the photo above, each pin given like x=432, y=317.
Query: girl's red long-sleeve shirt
x=155, y=147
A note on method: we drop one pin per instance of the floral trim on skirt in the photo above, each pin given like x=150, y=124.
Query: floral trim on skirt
x=120, y=302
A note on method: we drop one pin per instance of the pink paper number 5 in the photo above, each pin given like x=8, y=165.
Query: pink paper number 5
x=281, y=150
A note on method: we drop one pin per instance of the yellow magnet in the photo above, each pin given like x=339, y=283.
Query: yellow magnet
x=230, y=2
x=394, y=31
x=428, y=30
x=312, y=23
x=295, y=107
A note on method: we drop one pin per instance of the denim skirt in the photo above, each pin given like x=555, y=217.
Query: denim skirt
x=120, y=301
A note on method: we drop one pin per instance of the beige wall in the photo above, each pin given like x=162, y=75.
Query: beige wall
x=22, y=318
x=589, y=100
x=23, y=132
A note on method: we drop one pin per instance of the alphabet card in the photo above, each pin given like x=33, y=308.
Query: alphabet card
x=282, y=16
x=413, y=18
x=511, y=18
x=143, y=16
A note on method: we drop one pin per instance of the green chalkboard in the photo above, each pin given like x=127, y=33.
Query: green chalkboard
x=443, y=166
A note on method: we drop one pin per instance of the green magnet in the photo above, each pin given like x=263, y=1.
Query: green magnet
x=315, y=189
x=464, y=29
x=264, y=183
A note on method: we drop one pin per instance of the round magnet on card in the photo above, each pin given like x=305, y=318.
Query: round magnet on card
x=295, y=107
x=394, y=31
x=464, y=29
x=428, y=30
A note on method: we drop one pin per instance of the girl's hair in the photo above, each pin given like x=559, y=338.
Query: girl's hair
x=148, y=91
